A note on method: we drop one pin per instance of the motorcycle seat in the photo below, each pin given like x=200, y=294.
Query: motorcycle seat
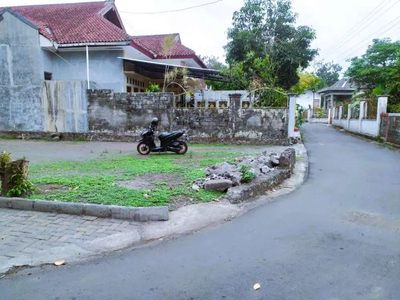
x=167, y=135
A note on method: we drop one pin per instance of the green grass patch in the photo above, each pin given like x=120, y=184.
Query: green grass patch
x=94, y=181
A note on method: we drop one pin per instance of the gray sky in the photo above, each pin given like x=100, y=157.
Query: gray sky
x=204, y=29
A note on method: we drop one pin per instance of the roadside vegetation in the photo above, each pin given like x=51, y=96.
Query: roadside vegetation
x=97, y=180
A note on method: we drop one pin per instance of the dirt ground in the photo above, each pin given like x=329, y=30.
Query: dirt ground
x=43, y=151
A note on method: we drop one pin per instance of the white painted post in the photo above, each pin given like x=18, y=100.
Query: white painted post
x=330, y=116
x=365, y=110
x=292, y=114
x=348, y=117
x=309, y=115
x=361, y=116
x=87, y=67
x=340, y=113
x=382, y=109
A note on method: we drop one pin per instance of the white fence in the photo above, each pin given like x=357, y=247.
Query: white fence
x=360, y=125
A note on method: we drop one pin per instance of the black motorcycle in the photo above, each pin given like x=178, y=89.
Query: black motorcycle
x=169, y=141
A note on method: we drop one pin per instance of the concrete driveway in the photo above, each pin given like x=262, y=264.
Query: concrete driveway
x=337, y=237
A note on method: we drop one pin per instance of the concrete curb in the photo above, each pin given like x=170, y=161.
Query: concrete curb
x=139, y=214
x=298, y=178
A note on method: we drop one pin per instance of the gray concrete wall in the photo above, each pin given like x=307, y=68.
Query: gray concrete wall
x=129, y=114
x=64, y=105
x=21, y=73
x=106, y=70
x=47, y=59
x=216, y=96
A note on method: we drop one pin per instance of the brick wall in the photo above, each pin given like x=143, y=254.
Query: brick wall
x=127, y=115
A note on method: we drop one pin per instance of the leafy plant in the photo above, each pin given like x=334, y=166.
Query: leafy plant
x=153, y=88
x=303, y=137
x=299, y=119
x=5, y=158
x=247, y=174
x=20, y=185
x=319, y=112
x=18, y=182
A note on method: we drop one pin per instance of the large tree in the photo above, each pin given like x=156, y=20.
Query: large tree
x=230, y=74
x=267, y=27
x=378, y=70
x=329, y=73
x=306, y=82
x=213, y=62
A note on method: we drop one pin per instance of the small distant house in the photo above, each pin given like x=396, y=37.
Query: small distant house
x=309, y=99
x=87, y=41
x=341, y=91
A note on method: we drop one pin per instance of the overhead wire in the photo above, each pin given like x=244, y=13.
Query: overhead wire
x=171, y=11
x=356, y=27
x=349, y=37
x=368, y=39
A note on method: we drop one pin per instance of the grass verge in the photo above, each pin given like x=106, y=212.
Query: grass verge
x=94, y=181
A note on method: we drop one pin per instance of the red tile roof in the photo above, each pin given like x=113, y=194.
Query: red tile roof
x=73, y=22
x=152, y=45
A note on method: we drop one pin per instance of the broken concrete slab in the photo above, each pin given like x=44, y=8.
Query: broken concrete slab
x=219, y=185
x=287, y=160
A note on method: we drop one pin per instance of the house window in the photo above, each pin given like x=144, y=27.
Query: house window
x=135, y=85
x=48, y=76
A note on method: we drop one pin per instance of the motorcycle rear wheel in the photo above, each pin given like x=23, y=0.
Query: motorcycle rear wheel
x=184, y=148
x=143, y=149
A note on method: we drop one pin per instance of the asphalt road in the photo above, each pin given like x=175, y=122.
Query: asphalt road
x=336, y=237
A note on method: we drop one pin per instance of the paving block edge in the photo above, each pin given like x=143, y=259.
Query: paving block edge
x=139, y=214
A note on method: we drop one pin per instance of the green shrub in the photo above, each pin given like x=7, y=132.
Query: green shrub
x=20, y=186
x=247, y=174
x=153, y=88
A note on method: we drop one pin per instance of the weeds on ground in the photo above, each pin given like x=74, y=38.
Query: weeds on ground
x=247, y=174
x=94, y=181
x=80, y=139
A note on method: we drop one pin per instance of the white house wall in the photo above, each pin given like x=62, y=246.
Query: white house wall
x=47, y=58
x=105, y=69
x=307, y=99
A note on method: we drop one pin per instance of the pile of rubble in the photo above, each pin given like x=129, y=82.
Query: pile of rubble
x=225, y=175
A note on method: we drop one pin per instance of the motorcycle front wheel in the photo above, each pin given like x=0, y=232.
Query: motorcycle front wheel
x=184, y=148
x=143, y=149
